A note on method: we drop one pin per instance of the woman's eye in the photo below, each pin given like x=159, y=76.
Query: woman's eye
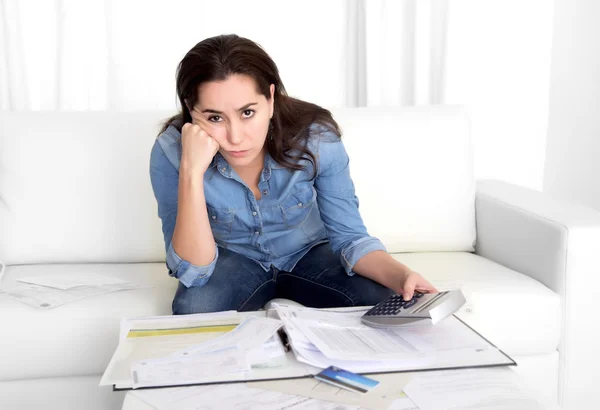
x=248, y=113
x=214, y=118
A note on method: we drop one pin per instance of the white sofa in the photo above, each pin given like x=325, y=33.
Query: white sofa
x=75, y=196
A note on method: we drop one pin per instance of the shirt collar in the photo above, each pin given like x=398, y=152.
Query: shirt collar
x=221, y=164
x=270, y=163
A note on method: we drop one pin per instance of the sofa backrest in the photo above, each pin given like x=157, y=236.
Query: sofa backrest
x=74, y=186
x=413, y=173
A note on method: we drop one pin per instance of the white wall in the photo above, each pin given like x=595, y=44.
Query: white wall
x=498, y=64
x=70, y=55
x=572, y=169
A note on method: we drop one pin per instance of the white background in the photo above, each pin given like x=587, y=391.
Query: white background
x=527, y=70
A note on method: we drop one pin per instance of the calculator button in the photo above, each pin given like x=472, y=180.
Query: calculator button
x=410, y=303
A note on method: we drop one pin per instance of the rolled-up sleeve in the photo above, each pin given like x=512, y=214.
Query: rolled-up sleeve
x=187, y=273
x=165, y=183
x=338, y=203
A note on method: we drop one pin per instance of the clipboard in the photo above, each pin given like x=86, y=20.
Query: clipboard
x=291, y=369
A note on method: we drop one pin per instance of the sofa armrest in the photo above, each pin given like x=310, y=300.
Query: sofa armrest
x=558, y=244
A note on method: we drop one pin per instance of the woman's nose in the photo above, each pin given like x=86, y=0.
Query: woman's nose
x=234, y=136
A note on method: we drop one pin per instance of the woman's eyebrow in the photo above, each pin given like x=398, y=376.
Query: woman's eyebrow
x=245, y=107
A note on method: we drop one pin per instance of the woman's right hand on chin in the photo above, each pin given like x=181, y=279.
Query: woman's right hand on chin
x=197, y=149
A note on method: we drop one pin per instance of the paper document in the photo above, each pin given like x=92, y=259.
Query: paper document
x=403, y=403
x=388, y=393
x=231, y=396
x=46, y=298
x=161, y=336
x=197, y=368
x=331, y=338
x=252, y=333
x=166, y=337
x=357, y=341
x=70, y=281
x=269, y=354
x=254, y=337
x=493, y=389
x=199, y=323
x=287, y=314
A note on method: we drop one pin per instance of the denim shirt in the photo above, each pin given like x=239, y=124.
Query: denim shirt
x=295, y=213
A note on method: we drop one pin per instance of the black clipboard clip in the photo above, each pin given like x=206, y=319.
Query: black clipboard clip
x=285, y=341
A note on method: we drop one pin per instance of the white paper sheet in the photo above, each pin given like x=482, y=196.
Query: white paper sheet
x=255, y=336
x=403, y=403
x=230, y=317
x=403, y=343
x=252, y=333
x=46, y=298
x=66, y=281
x=384, y=395
x=318, y=359
x=197, y=368
x=230, y=396
x=155, y=344
x=270, y=354
x=413, y=347
x=287, y=314
x=489, y=389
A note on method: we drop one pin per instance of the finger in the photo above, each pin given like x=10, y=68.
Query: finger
x=199, y=118
x=426, y=289
x=408, y=290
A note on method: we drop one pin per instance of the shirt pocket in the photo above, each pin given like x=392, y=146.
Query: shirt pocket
x=296, y=207
x=221, y=220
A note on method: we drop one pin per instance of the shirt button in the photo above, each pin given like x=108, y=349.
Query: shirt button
x=265, y=192
x=223, y=169
x=299, y=204
x=257, y=232
x=214, y=217
x=254, y=213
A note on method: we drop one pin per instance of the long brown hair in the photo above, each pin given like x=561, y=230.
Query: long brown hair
x=216, y=58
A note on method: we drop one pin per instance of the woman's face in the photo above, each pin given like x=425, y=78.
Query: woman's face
x=237, y=116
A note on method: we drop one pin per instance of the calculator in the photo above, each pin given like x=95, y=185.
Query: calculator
x=395, y=311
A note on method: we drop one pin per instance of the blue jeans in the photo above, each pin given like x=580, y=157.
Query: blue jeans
x=318, y=280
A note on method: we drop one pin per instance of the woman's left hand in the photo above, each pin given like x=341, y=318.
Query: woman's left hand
x=413, y=281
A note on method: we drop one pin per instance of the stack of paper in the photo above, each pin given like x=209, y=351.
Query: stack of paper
x=212, y=348
x=230, y=355
x=202, y=348
x=499, y=389
x=228, y=396
x=324, y=338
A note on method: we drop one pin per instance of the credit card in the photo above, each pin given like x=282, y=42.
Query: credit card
x=346, y=380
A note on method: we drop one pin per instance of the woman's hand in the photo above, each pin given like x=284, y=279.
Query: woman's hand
x=381, y=267
x=413, y=281
x=197, y=149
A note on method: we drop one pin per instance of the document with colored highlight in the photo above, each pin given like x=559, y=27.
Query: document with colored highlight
x=201, y=348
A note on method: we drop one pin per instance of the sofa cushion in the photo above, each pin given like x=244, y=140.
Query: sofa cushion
x=515, y=312
x=78, y=338
x=413, y=173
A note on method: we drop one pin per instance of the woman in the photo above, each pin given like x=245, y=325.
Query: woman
x=255, y=195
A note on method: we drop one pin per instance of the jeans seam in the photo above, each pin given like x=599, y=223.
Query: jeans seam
x=320, y=284
x=253, y=293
